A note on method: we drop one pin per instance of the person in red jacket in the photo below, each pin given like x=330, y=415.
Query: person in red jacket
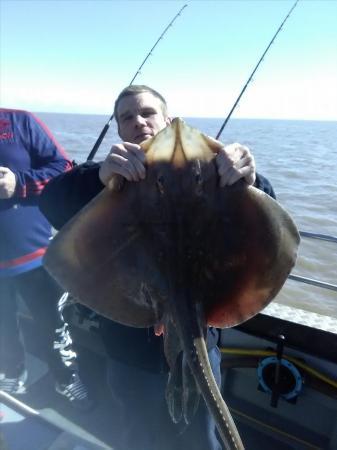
x=29, y=158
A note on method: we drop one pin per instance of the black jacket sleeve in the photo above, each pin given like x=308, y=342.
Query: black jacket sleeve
x=66, y=194
x=263, y=184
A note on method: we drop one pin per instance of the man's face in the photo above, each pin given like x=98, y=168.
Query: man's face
x=140, y=117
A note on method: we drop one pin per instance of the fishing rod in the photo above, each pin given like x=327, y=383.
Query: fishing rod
x=255, y=69
x=107, y=125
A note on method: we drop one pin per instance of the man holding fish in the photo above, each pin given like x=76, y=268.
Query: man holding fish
x=137, y=368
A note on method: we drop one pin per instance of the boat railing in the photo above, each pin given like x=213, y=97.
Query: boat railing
x=322, y=237
x=321, y=284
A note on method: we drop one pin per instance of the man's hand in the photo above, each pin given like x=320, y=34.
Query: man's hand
x=126, y=160
x=7, y=183
x=234, y=162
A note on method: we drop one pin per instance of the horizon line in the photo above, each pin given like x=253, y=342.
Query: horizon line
x=193, y=117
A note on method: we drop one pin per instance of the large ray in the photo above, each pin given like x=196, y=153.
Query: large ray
x=178, y=249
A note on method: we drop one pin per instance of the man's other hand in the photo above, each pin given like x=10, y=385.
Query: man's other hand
x=234, y=162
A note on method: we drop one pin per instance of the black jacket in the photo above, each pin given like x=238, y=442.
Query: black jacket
x=61, y=199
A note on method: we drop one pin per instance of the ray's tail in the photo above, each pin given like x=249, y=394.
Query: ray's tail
x=193, y=342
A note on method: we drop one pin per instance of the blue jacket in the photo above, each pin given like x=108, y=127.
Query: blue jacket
x=29, y=150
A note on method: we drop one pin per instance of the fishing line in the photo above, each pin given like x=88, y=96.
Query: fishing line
x=255, y=69
x=107, y=125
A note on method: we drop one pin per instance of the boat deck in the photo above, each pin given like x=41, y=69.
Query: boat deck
x=262, y=427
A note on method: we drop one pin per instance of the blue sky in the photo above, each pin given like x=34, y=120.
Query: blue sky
x=76, y=55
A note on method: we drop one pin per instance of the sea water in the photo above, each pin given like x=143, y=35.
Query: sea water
x=298, y=157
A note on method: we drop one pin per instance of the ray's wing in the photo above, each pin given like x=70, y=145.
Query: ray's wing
x=254, y=246
x=101, y=258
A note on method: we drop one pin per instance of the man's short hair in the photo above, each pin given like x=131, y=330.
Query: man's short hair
x=135, y=89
